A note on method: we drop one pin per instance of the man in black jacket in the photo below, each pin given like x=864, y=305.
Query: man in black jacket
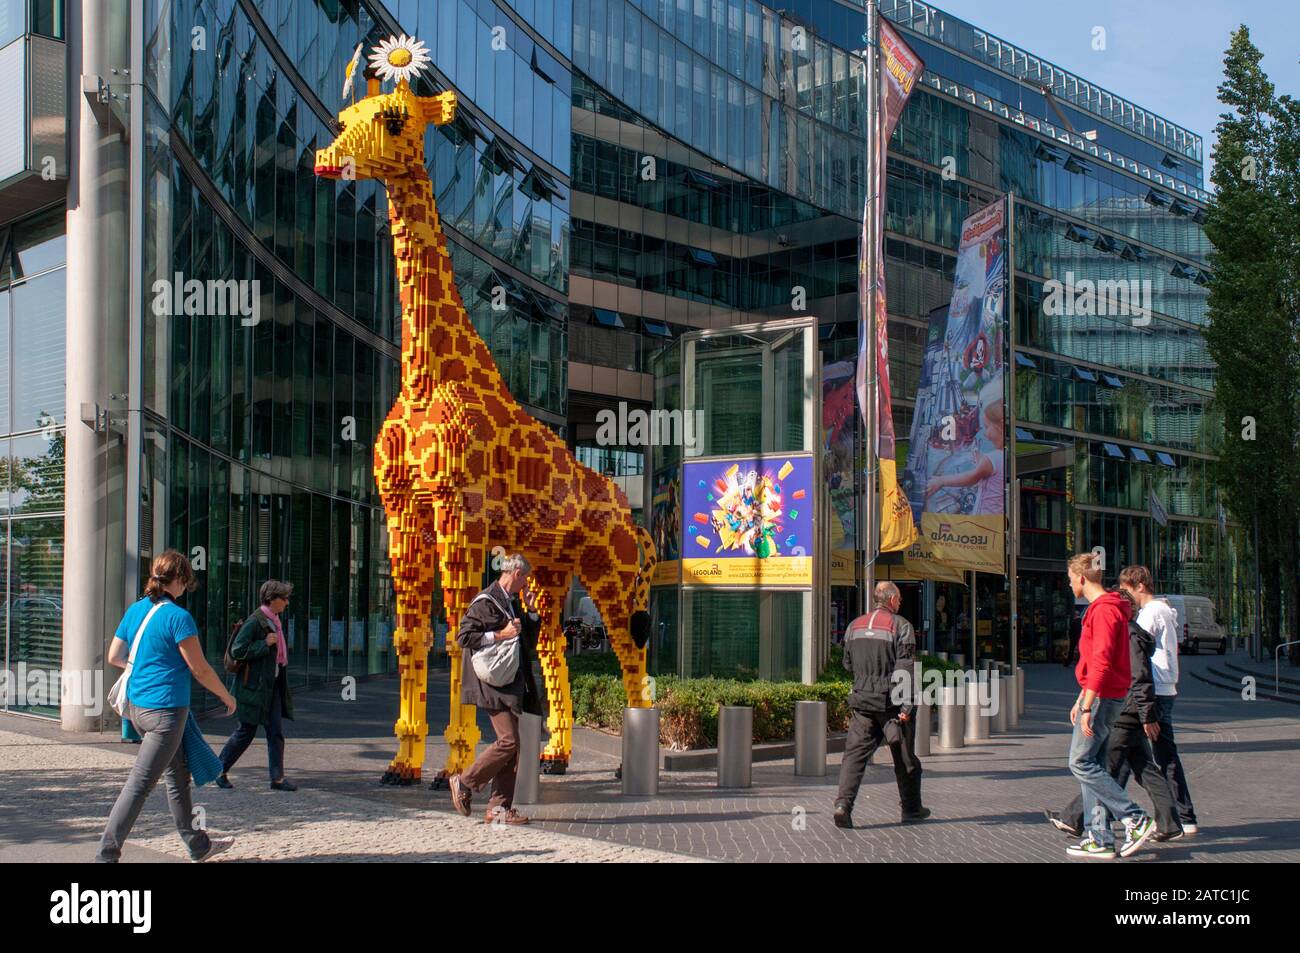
x=1135, y=727
x=880, y=649
x=493, y=617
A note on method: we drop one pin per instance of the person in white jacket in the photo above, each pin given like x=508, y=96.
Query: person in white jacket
x=1157, y=617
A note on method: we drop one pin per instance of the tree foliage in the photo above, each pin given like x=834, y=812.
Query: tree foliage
x=1254, y=331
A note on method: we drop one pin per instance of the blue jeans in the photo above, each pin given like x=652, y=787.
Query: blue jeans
x=161, y=755
x=1101, y=792
x=243, y=736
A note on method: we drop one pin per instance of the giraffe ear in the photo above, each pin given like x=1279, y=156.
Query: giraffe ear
x=438, y=110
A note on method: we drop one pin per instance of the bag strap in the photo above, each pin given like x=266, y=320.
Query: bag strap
x=135, y=643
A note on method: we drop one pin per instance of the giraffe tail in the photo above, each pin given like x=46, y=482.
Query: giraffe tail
x=640, y=622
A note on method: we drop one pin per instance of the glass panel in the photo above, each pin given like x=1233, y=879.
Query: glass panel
x=35, y=591
x=38, y=351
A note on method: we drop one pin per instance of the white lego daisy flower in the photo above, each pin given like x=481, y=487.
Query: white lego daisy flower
x=400, y=58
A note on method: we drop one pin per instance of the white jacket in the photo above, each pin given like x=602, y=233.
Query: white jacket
x=1159, y=618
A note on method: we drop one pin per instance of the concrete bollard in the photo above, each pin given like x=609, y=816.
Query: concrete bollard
x=998, y=692
x=810, y=739
x=640, y=752
x=952, y=715
x=977, y=722
x=528, y=778
x=1013, y=701
x=735, y=746
x=921, y=742
x=1020, y=688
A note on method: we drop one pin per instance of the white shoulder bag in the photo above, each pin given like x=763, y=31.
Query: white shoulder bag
x=498, y=663
x=117, y=694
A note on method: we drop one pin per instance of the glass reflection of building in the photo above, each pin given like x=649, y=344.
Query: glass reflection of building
x=626, y=171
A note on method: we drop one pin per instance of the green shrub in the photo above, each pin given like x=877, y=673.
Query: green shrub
x=688, y=708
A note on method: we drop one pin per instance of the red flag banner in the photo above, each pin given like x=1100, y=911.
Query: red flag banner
x=900, y=68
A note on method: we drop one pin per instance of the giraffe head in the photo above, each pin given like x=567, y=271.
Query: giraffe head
x=382, y=135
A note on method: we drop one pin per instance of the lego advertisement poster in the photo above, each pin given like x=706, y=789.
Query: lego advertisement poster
x=748, y=521
x=955, y=476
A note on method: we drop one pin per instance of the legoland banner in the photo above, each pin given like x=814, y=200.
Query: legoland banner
x=900, y=68
x=748, y=521
x=955, y=465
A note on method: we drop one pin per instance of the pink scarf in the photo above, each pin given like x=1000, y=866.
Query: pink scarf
x=281, y=649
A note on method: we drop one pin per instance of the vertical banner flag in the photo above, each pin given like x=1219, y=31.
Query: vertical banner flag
x=900, y=68
x=955, y=478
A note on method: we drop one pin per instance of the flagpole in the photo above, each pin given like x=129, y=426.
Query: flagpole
x=1009, y=424
x=871, y=503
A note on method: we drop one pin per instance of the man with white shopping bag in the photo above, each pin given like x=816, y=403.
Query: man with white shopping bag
x=495, y=678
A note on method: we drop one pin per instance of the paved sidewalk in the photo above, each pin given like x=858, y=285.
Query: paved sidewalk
x=1241, y=758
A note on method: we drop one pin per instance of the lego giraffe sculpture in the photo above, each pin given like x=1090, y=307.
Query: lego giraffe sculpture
x=462, y=468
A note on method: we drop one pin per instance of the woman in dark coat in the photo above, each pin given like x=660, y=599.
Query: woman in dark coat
x=262, y=691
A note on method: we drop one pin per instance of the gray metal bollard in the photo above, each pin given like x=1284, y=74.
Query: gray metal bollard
x=942, y=655
x=977, y=722
x=810, y=739
x=921, y=743
x=952, y=715
x=735, y=746
x=1013, y=701
x=1020, y=688
x=998, y=692
x=528, y=778
x=959, y=658
x=640, y=752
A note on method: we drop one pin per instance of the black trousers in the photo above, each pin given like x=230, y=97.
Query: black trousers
x=1129, y=751
x=866, y=732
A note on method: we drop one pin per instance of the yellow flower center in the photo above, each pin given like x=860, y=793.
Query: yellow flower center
x=399, y=57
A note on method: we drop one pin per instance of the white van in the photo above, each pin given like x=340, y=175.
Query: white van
x=1198, y=625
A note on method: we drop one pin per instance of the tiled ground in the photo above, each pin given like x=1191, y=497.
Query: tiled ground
x=1243, y=760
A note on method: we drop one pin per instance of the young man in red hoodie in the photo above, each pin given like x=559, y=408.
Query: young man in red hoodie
x=1104, y=677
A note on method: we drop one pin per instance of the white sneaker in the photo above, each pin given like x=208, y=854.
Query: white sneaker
x=216, y=845
x=1136, y=833
x=1190, y=829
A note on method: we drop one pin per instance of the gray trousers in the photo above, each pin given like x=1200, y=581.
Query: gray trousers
x=161, y=756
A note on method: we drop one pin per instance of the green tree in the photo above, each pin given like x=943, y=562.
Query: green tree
x=1254, y=225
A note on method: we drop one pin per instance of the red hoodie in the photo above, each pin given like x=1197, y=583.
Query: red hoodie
x=1103, y=647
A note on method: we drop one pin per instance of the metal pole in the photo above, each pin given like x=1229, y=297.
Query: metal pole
x=1258, y=653
x=1009, y=434
x=871, y=504
x=98, y=296
x=974, y=644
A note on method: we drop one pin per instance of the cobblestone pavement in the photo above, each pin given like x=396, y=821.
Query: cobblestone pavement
x=1242, y=758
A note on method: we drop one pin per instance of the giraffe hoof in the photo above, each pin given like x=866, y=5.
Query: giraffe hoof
x=618, y=773
x=550, y=766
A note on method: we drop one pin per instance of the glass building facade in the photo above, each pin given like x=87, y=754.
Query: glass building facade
x=627, y=171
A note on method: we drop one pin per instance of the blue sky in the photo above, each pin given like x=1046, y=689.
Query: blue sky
x=1163, y=55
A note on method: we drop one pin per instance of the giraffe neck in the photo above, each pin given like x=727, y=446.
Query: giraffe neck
x=439, y=343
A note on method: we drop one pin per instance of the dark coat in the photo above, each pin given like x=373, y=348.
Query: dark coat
x=876, y=646
x=1141, y=700
x=488, y=615
x=255, y=683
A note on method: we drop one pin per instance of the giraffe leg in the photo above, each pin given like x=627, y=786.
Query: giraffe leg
x=411, y=552
x=461, y=565
x=549, y=586
x=609, y=592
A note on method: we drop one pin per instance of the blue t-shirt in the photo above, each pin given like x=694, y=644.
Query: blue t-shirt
x=159, y=677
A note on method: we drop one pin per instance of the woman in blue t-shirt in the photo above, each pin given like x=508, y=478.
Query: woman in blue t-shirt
x=158, y=704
